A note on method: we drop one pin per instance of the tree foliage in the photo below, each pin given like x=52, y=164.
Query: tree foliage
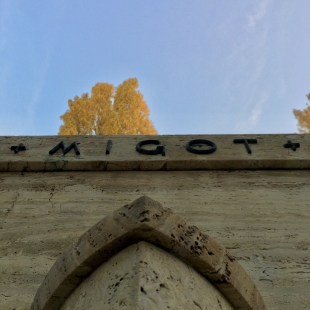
x=303, y=118
x=108, y=111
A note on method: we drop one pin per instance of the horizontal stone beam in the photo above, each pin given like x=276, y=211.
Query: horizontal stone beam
x=179, y=152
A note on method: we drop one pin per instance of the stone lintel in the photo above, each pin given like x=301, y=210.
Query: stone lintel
x=270, y=152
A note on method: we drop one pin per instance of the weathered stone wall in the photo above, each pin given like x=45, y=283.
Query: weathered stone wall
x=262, y=217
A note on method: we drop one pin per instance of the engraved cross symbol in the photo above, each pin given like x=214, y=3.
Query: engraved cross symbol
x=291, y=145
x=18, y=148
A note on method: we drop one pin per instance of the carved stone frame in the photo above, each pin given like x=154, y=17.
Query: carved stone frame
x=146, y=220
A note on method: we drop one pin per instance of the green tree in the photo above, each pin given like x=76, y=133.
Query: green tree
x=303, y=118
x=108, y=111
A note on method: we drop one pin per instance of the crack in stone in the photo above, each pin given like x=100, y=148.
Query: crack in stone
x=50, y=199
x=10, y=209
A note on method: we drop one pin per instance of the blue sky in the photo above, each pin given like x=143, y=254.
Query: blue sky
x=204, y=67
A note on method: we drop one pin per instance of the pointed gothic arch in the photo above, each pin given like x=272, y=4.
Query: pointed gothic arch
x=146, y=220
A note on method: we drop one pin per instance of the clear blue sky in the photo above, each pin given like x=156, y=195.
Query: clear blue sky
x=204, y=67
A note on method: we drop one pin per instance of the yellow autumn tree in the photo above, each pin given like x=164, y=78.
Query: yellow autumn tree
x=103, y=115
x=77, y=120
x=108, y=111
x=131, y=110
x=303, y=118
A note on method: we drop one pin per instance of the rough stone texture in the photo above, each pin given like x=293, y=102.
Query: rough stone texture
x=262, y=217
x=268, y=153
x=145, y=277
x=146, y=220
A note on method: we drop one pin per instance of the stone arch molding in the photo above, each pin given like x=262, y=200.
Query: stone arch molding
x=146, y=220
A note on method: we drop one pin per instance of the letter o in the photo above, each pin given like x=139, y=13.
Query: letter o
x=189, y=147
